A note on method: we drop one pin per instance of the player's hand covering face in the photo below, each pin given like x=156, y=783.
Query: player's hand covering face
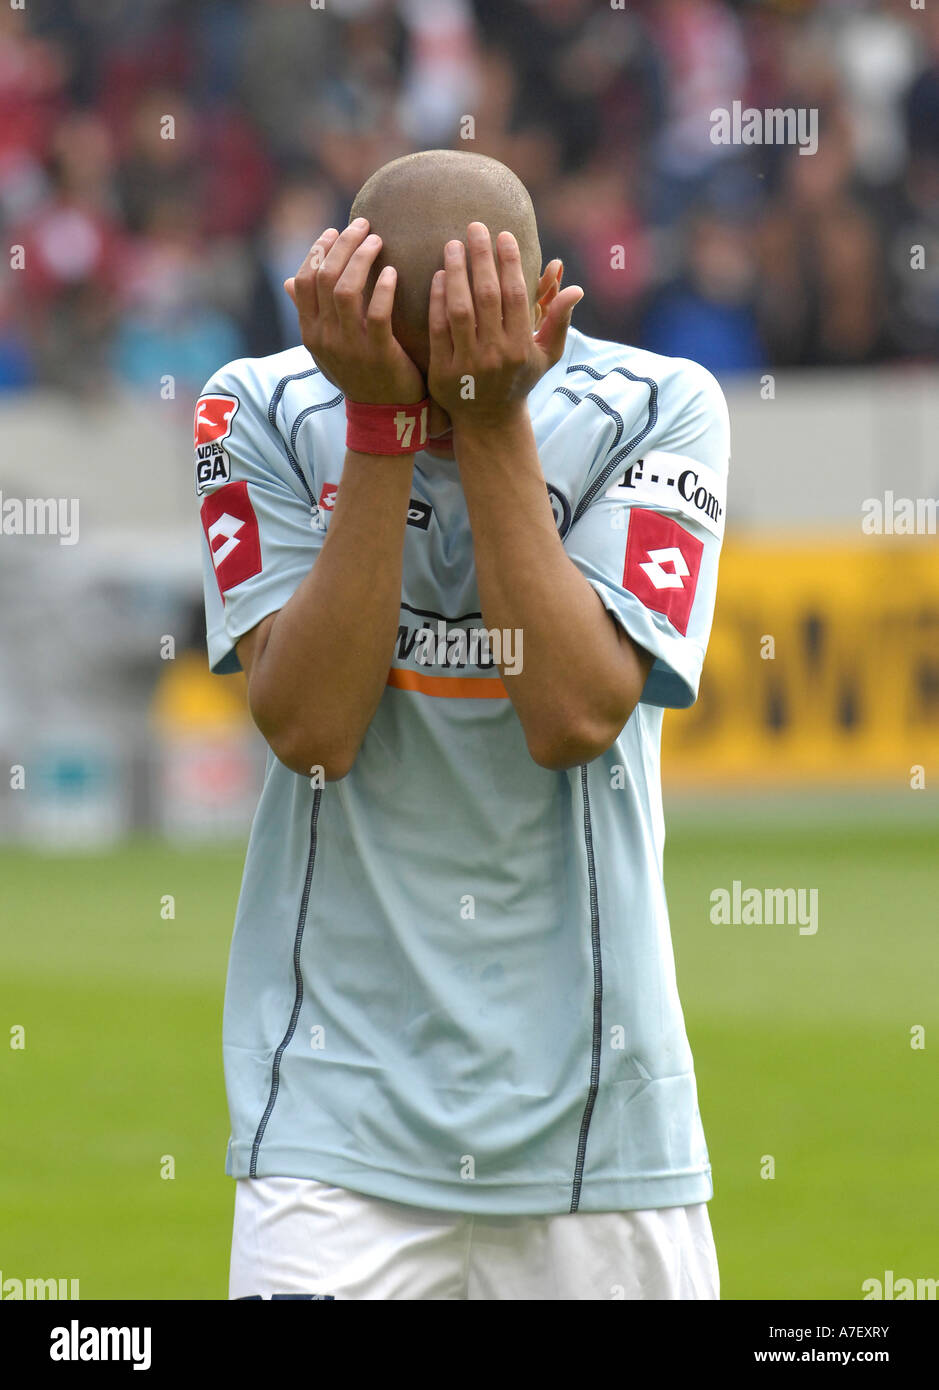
x=484, y=359
x=352, y=343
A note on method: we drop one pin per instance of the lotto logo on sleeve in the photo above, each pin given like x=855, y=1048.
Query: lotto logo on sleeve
x=662, y=564
x=231, y=529
x=212, y=424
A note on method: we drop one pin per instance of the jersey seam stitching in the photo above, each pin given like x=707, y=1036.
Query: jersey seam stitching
x=298, y=995
x=596, y=953
x=651, y=418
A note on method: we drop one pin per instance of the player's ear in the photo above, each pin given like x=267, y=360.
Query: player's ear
x=548, y=286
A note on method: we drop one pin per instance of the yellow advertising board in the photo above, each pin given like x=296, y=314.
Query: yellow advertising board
x=823, y=666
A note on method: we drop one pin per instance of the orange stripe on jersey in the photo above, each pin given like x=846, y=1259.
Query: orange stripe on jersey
x=449, y=687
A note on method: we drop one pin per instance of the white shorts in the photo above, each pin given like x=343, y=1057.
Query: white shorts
x=302, y=1239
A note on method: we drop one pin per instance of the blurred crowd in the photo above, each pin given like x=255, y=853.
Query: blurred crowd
x=164, y=164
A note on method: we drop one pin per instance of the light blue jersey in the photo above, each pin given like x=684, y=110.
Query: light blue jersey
x=451, y=980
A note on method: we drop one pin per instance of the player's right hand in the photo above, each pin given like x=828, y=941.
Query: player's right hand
x=353, y=345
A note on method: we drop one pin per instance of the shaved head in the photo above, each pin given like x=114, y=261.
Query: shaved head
x=420, y=202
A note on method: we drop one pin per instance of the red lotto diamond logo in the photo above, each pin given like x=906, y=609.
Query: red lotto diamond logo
x=231, y=529
x=662, y=564
x=328, y=496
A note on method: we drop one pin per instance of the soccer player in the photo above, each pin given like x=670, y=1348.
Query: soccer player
x=467, y=557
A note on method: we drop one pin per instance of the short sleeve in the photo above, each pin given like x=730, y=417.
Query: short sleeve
x=650, y=543
x=260, y=532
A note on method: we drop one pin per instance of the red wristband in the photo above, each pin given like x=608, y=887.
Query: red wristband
x=386, y=429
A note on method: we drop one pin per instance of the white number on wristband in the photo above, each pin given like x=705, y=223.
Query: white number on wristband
x=404, y=427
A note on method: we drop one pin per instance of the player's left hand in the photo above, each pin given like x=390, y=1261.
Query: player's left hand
x=484, y=357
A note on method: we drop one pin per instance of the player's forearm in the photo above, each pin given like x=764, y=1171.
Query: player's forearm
x=580, y=674
x=316, y=684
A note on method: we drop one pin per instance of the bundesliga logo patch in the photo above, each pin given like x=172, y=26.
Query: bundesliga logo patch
x=662, y=564
x=212, y=425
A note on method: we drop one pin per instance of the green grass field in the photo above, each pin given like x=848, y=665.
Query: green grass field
x=802, y=1049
